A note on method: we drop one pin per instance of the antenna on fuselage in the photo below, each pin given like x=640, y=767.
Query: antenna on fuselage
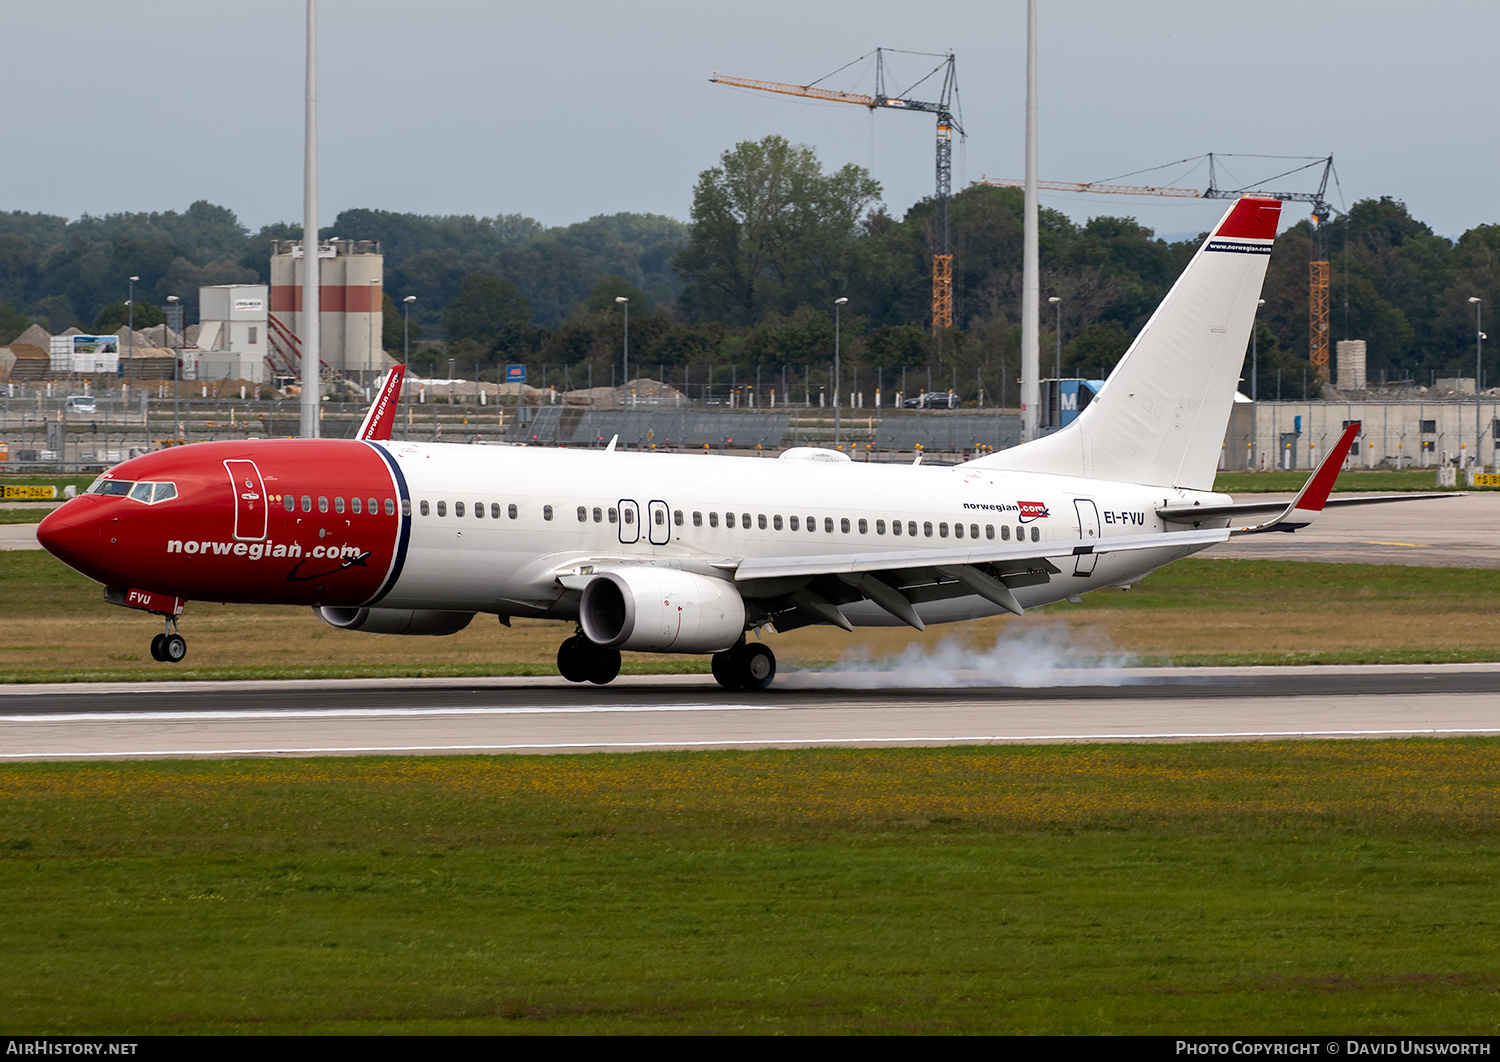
x=611, y=447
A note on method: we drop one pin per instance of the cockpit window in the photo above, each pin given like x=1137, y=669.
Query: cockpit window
x=164, y=491
x=114, y=487
x=150, y=493
x=142, y=492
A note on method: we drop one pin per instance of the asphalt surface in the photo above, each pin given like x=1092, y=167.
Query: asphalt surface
x=684, y=712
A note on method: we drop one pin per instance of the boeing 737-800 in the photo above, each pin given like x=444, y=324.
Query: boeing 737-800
x=687, y=553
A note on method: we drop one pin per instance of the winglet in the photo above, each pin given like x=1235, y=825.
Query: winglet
x=382, y=416
x=1309, y=502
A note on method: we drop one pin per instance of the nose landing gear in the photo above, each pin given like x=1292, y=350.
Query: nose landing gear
x=169, y=647
x=580, y=660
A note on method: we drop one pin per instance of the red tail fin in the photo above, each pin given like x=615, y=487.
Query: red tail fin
x=382, y=416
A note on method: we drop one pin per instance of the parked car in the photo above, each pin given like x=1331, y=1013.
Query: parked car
x=932, y=400
x=80, y=404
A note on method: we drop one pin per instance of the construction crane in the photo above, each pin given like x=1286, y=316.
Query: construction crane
x=942, y=258
x=1318, y=272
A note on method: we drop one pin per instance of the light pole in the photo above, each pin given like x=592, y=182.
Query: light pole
x=130, y=337
x=1478, y=373
x=1254, y=381
x=176, y=382
x=406, y=355
x=838, y=437
x=625, y=305
x=1057, y=364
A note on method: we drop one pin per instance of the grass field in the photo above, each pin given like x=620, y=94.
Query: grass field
x=1408, y=479
x=1198, y=611
x=1310, y=887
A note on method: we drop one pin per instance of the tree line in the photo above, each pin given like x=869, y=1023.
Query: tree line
x=749, y=283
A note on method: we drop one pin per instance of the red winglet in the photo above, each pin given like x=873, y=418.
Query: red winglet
x=1252, y=218
x=382, y=416
x=1315, y=491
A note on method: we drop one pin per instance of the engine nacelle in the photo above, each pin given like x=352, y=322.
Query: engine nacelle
x=396, y=620
x=661, y=610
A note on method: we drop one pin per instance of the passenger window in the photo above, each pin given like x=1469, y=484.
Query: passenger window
x=355, y=506
x=598, y=515
x=943, y=530
x=424, y=506
x=896, y=527
x=927, y=528
x=390, y=507
x=989, y=531
x=697, y=519
x=1005, y=533
x=776, y=521
x=289, y=503
x=141, y=492
x=827, y=525
x=322, y=504
x=629, y=516
x=374, y=506
x=760, y=521
x=729, y=519
x=659, y=518
x=511, y=511
x=614, y=514
x=958, y=530
x=583, y=515
x=713, y=519
x=812, y=523
x=479, y=510
x=338, y=505
x=306, y=504
x=442, y=508
x=745, y=521
x=880, y=527
x=792, y=522
x=677, y=517
x=1036, y=534
x=864, y=527
x=546, y=512
x=911, y=528
x=1020, y=534
x=458, y=508
x=844, y=525
x=973, y=530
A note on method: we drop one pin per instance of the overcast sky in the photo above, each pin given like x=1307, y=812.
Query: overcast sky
x=568, y=109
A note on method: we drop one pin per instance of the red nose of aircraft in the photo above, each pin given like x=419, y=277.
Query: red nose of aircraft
x=75, y=533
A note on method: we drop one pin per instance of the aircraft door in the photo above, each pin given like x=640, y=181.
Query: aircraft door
x=250, y=513
x=659, y=530
x=1088, y=530
x=630, y=521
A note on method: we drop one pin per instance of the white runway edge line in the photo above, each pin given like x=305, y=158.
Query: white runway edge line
x=317, y=714
x=760, y=742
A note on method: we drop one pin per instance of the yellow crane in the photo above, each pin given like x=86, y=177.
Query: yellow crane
x=1318, y=271
x=942, y=258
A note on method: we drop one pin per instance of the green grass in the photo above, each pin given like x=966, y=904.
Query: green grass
x=23, y=514
x=1311, y=888
x=1408, y=479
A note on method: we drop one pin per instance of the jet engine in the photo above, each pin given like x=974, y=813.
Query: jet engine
x=661, y=610
x=396, y=620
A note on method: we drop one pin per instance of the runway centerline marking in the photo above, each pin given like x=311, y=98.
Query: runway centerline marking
x=383, y=713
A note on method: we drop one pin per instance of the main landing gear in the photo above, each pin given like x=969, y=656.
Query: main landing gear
x=169, y=647
x=580, y=660
x=747, y=666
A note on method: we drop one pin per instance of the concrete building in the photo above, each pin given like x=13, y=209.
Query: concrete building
x=351, y=296
x=232, y=341
x=1394, y=434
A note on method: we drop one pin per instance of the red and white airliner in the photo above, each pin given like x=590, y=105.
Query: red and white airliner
x=687, y=553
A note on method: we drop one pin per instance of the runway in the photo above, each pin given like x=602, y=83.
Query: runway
x=401, y=717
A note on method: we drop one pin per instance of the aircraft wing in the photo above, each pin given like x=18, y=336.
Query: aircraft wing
x=1302, y=510
x=382, y=415
x=818, y=584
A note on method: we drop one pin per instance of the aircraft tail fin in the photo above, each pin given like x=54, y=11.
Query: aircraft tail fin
x=382, y=415
x=1160, y=417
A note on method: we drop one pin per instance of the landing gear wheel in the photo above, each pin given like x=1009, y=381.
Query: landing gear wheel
x=757, y=666
x=156, y=648
x=573, y=659
x=604, y=665
x=726, y=673
x=174, y=648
